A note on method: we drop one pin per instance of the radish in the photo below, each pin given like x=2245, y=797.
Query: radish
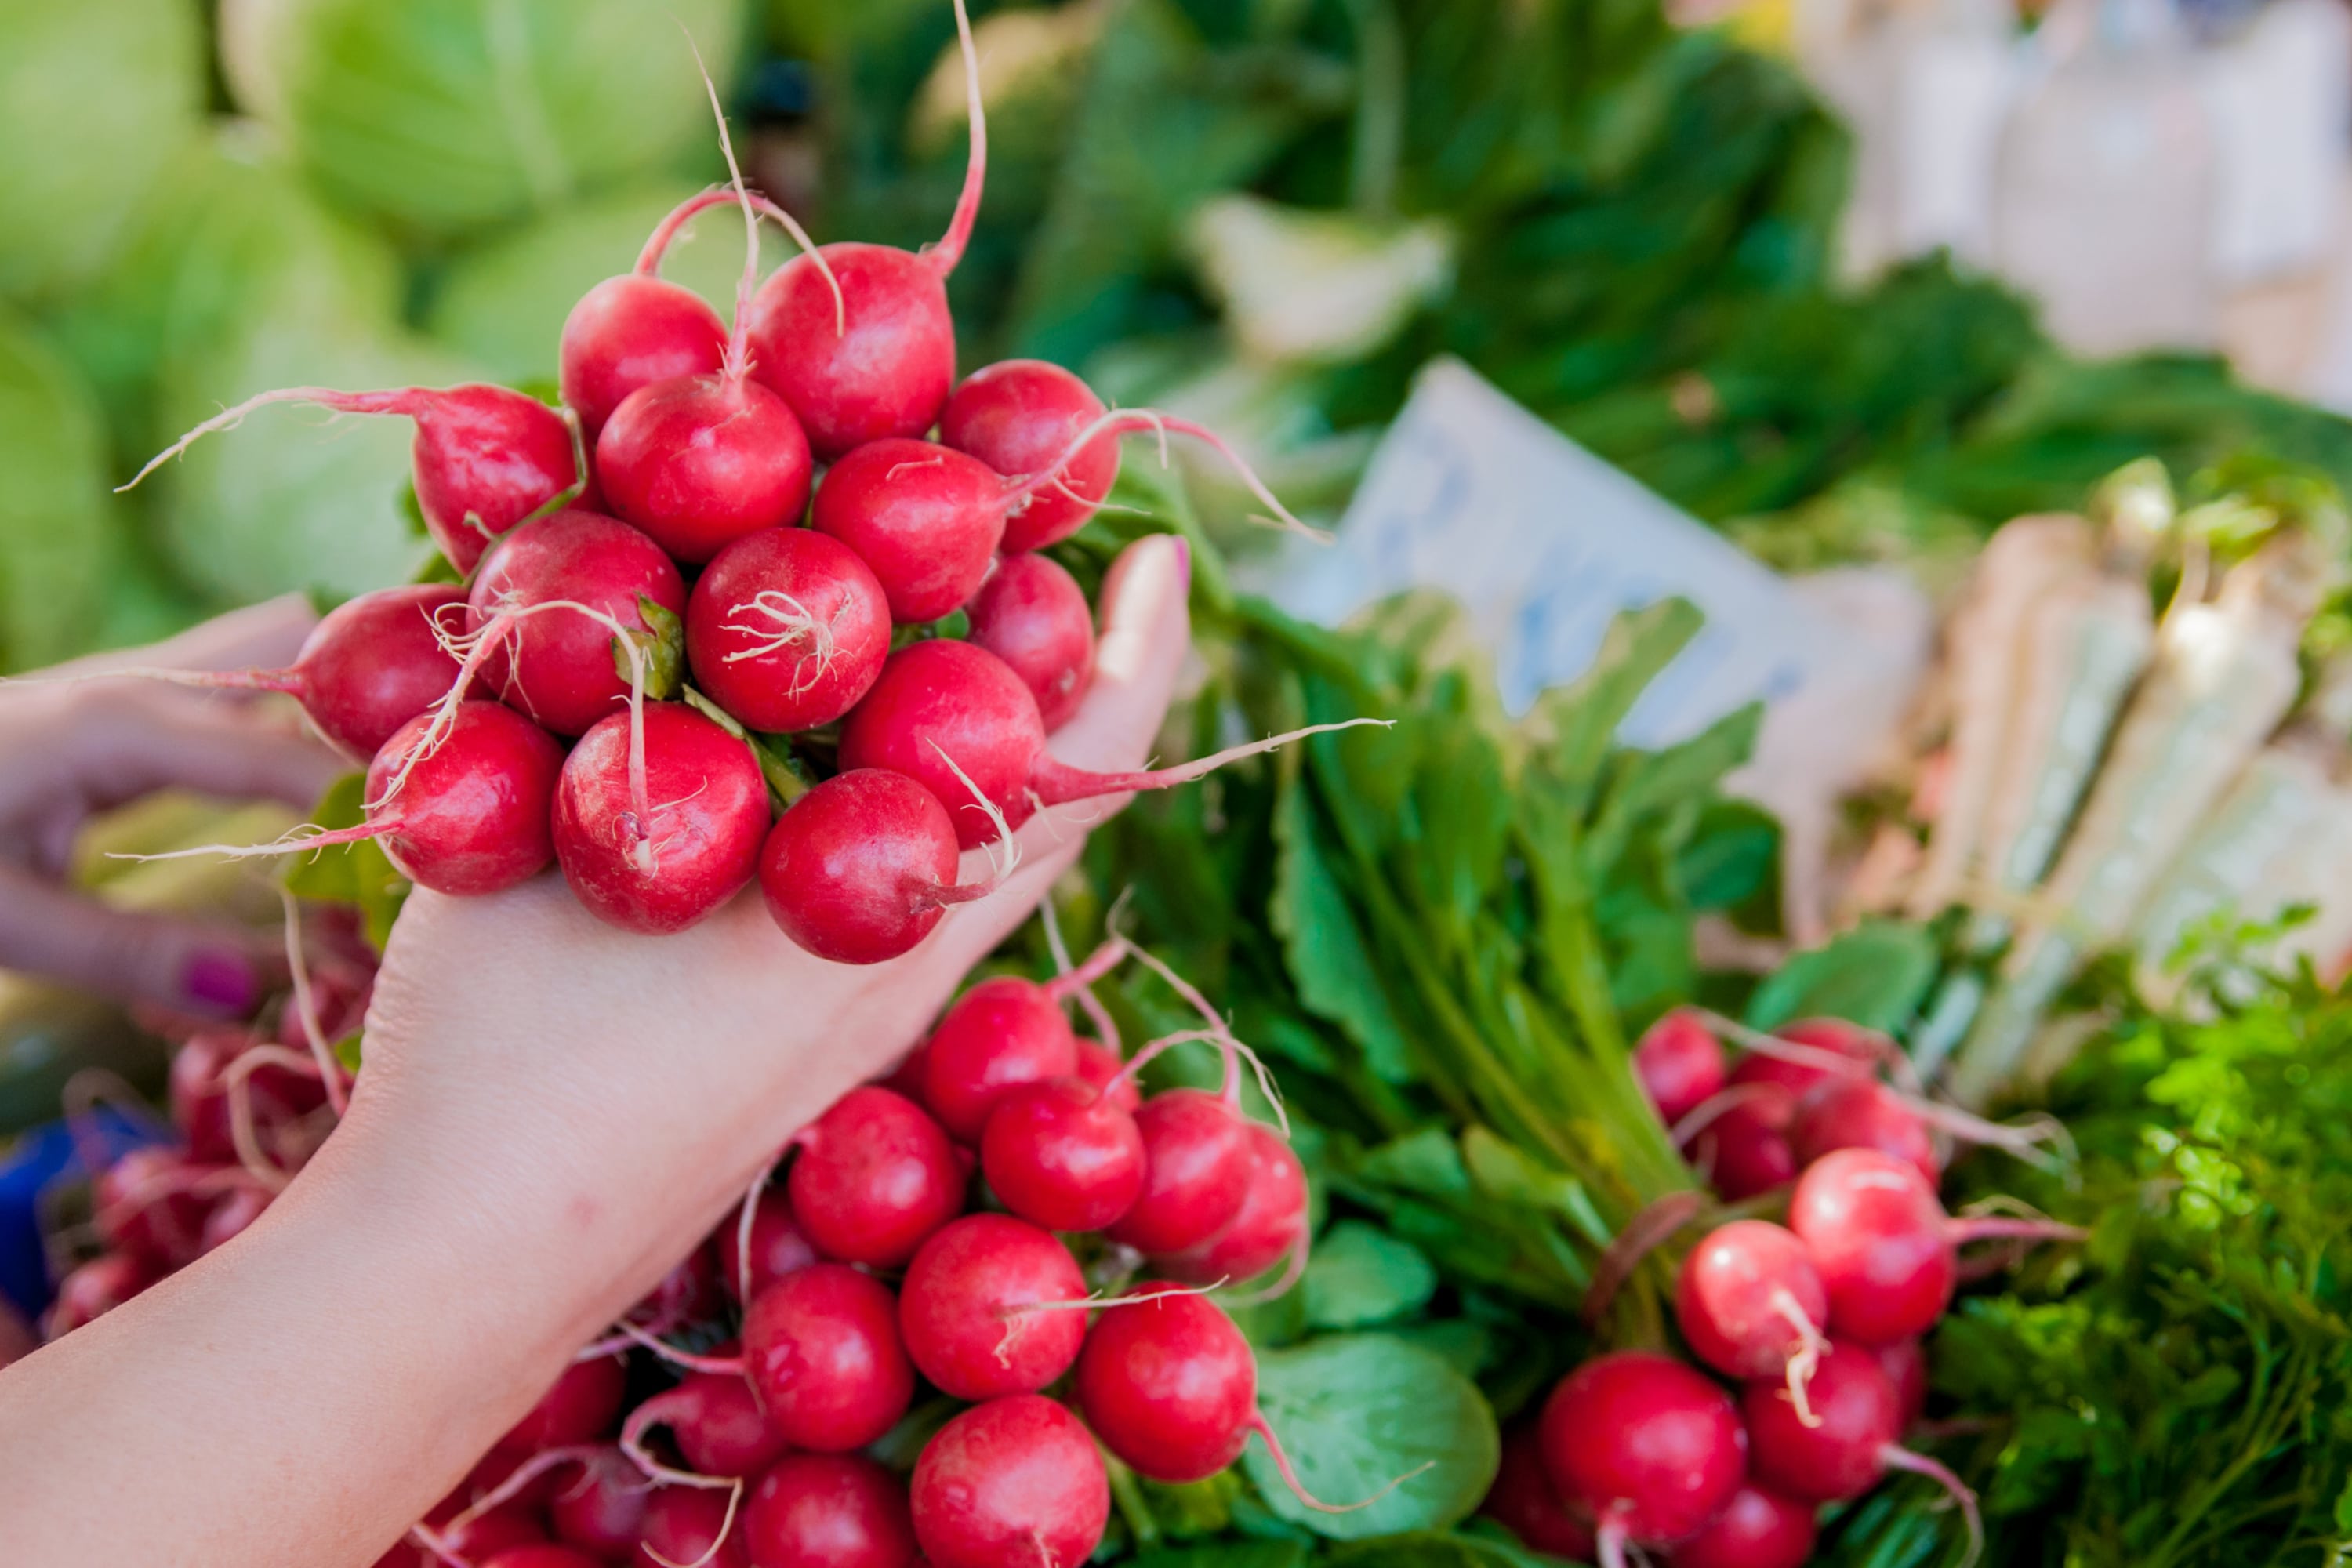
x=823, y=1351
x=1751, y=1306
x=1032, y=615
x=1680, y=1065
x=1014, y=1483
x=1196, y=1151
x=654, y=841
x=1757, y=1529
x=861, y=868
x=1862, y=1113
x=542, y=1554
x=993, y=1305
x=1739, y=1139
x=1003, y=1032
x=1062, y=1155
x=560, y=667
x=945, y=699
x=687, y=1293
x=829, y=1511
x=603, y=1511
x=579, y=1407
x=753, y=1257
x=1019, y=417
x=1851, y=1445
x=1104, y=1068
x=689, y=1526
x=145, y=1206
x=1524, y=1502
x=1883, y=1245
x=474, y=1537
x=1270, y=1226
x=874, y=1176
x=717, y=1422
x=95, y=1288
x=873, y=357
x=1648, y=1448
x=1802, y=1056
x=786, y=630
x=486, y=457
x=1905, y=1362
x=199, y=1092
x=232, y=1218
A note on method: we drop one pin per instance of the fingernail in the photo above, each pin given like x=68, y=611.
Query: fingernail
x=223, y=980
x=1184, y=559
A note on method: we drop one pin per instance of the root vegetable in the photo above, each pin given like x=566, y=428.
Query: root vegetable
x=658, y=850
x=1014, y=1483
x=861, y=868
x=991, y=1306
x=1645, y=1447
x=1019, y=417
x=786, y=630
x=1062, y=1155
x=823, y=1349
x=829, y=1511
x=874, y=1177
x=559, y=668
x=1032, y=615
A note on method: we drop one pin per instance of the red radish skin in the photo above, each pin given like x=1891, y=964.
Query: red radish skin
x=786, y=630
x=1645, y=1447
x=1524, y=1502
x=1169, y=1384
x=991, y=1306
x=1060, y=1154
x=603, y=1511
x=1107, y=1071
x=1003, y=1032
x=665, y=869
x=1270, y=1226
x=1196, y=1150
x=1757, y=1529
x=485, y=456
x=199, y=1093
x=779, y=1246
x=471, y=816
x=1818, y=1041
x=1014, y=1483
x=823, y=1349
x=716, y=1422
x=1680, y=1065
x=558, y=667
x=1745, y=1150
x=542, y=1555
x=233, y=1216
x=907, y=1078
x=145, y=1205
x=874, y=1176
x=1032, y=615
x=689, y=1291
x=829, y=1511
x=701, y=462
x=1862, y=1113
x=94, y=1290
x=577, y=1408
x=925, y=517
x=1749, y=1304
x=1019, y=417
x=1905, y=1362
x=683, y=1525
x=863, y=866
x=1879, y=1240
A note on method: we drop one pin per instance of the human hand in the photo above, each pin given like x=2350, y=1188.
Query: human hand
x=71, y=749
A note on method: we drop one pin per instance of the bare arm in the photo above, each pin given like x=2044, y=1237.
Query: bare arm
x=551, y=1113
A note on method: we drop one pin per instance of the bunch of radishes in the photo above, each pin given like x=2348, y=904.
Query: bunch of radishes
x=645, y=544
x=1818, y=1321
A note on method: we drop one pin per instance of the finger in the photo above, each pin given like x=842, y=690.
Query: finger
x=50, y=931
x=119, y=750
x=265, y=636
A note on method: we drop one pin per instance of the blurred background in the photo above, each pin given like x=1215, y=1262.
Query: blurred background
x=1851, y=279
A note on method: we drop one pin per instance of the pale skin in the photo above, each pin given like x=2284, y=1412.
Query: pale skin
x=552, y=1112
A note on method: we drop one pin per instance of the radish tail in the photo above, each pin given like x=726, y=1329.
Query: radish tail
x=1057, y=784
x=522, y=1475
x=657, y=1412
x=1150, y=1048
x=1257, y=1423
x=1127, y=421
x=288, y=682
x=725, y=1528
x=649, y=259
x=1222, y=1032
x=317, y=839
x=732, y=1365
x=1808, y=1357
x=408, y=400
x=1642, y=1236
x=744, y=1231
x=737, y=361
x=1705, y=1114
x=1293, y=1269
x=1099, y=963
x=1960, y=1232
x=949, y=251
x=1105, y=1029
x=330, y=1073
x=1900, y=1458
x=1889, y=1055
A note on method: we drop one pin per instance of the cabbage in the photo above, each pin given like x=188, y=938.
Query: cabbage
x=95, y=96
x=445, y=116
x=503, y=305
x=232, y=235
x=61, y=530
x=1302, y=287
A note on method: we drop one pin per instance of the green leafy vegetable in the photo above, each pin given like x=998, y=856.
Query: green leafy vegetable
x=1361, y=1276
x=359, y=875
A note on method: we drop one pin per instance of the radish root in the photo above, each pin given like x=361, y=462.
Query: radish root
x=1127, y=421
x=1900, y=1458
x=1258, y=1424
x=407, y=400
x=949, y=251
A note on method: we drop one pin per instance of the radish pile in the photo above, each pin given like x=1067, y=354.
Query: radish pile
x=1065, y=1312
x=1816, y=1323
x=653, y=676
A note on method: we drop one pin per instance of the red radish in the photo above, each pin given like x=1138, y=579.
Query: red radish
x=484, y=458
x=822, y=1349
x=659, y=849
x=993, y=1305
x=1862, y=1113
x=829, y=1511
x=467, y=815
x=486, y=1535
x=1061, y=1154
x=1019, y=417
x=1196, y=1150
x=1014, y=1483
x=1744, y=1147
x=1850, y=1446
x=603, y=1511
x=717, y=1422
x=1524, y=1502
x=1270, y=1226
x=874, y=1177
x=861, y=868
x=1680, y=1065
x=925, y=517
x=558, y=667
x=233, y=1216
x=1647, y=1447
x=1106, y=1070
x=1905, y=1362
x=688, y=1292
x=1032, y=615
x=786, y=630
x=944, y=700
x=1751, y=1306
x=146, y=1204
x=199, y=1097
x=1757, y=1529
x=542, y=1554
x=907, y=1078
x=577, y=1408
x=94, y=1290
x=634, y=329
x=778, y=1247
x=1821, y=1049
x=1003, y=1032
x=690, y=1525
x=873, y=357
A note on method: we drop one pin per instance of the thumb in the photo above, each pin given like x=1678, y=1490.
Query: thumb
x=215, y=971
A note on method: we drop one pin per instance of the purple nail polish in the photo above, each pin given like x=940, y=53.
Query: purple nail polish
x=223, y=982
x=1184, y=559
